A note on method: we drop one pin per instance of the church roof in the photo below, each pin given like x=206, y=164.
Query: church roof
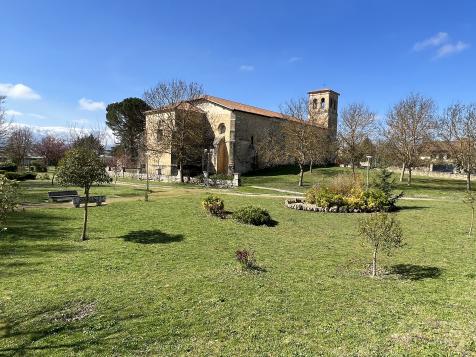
x=323, y=90
x=229, y=104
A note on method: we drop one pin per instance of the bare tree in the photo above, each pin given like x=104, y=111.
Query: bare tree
x=181, y=128
x=52, y=149
x=357, y=126
x=19, y=145
x=457, y=129
x=410, y=125
x=270, y=146
x=321, y=147
x=299, y=134
x=89, y=139
x=4, y=124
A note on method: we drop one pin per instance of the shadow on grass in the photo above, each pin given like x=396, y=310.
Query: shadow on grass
x=415, y=272
x=404, y=208
x=272, y=223
x=152, y=237
x=34, y=234
x=64, y=320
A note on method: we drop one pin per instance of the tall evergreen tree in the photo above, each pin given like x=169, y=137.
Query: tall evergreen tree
x=127, y=121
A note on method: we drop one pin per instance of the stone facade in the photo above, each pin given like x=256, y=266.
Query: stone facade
x=236, y=128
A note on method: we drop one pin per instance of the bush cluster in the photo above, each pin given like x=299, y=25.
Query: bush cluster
x=252, y=215
x=20, y=176
x=214, y=205
x=39, y=166
x=8, y=166
x=350, y=193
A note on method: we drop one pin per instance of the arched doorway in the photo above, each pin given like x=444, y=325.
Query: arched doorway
x=222, y=157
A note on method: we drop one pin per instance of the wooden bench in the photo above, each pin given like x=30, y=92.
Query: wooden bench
x=62, y=196
x=98, y=200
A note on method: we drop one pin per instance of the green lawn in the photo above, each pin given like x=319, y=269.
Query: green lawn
x=286, y=178
x=159, y=278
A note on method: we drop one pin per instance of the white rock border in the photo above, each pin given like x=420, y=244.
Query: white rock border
x=301, y=205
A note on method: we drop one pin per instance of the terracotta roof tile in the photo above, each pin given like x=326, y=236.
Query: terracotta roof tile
x=244, y=107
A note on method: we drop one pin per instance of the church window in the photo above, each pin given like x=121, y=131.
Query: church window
x=314, y=103
x=323, y=103
x=221, y=128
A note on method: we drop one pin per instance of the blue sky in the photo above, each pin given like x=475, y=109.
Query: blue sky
x=62, y=61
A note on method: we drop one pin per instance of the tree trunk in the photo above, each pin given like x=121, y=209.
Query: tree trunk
x=53, y=178
x=353, y=170
x=310, y=167
x=402, y=173
x=468, y=178
x=301, y=175
x=181, y=172
x=374, y=264
x=472, y=222
x=409, y=181
x=85, y=221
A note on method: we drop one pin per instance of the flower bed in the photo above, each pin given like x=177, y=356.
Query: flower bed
x=346, y=194
x=301, y=205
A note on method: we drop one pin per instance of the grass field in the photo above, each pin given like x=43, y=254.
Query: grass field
x=286, y=178
x=159, y=278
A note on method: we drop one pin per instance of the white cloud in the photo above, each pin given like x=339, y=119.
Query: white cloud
x=37, y=116
x=60, y=131
x=294, y=59
x=451, y=48
x=18, y=91
x=13, y=113
x=91, y=105
x=247, y=68
x=434, y=41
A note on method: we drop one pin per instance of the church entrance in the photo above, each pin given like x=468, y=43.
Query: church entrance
x=222, y=158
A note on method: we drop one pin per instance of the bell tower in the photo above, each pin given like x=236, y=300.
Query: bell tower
x=323, y=107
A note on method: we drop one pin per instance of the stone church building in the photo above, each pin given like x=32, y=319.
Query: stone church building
x=236, y=128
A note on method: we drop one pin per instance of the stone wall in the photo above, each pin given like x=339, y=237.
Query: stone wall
x=249, y=130
x=423, y=171
x=138, y=175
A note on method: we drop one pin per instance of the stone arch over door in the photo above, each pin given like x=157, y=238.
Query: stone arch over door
x=222, y=157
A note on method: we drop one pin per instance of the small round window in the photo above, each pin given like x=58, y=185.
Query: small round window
x=221, y=128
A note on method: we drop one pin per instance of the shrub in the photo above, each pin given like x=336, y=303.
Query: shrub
x=383, y=180
x=43, y=176
x=346, y=193
x=246, y=258
x=20, y=176
x=221, y=177
x=9, y=198
x=39, y=166
x=8, y=166
x=324, y=197
x=214, y=205
x=381, y=232
x=2, y=172
x=252, y=215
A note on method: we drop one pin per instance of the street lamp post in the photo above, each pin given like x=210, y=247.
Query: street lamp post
x=368, y=169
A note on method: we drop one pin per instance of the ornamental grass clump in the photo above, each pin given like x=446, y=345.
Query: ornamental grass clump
x=255, y=216
x=214, y=205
